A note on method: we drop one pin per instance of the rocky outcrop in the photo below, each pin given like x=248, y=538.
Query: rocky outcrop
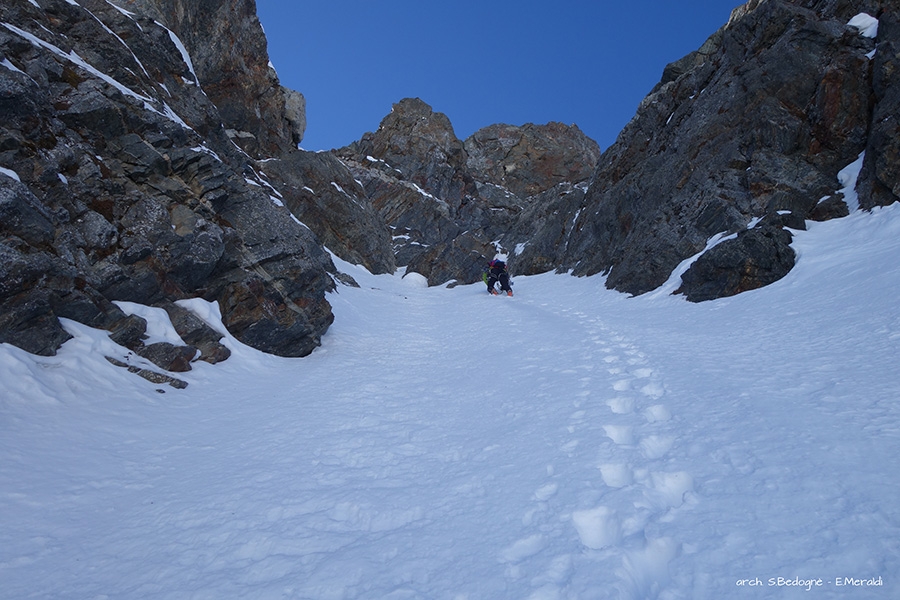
x=227, y=52
x=119, y=182
x=756, y=123
x=452, y=205
x=531, y=159
x=322, y=193
x=879, y=181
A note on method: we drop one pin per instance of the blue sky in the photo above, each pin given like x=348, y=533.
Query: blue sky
x=479, y=61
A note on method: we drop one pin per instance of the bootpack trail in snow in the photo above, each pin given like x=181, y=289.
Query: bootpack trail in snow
x=573, y=443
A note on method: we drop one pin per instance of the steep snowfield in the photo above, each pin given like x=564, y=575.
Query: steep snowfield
x=565, y=443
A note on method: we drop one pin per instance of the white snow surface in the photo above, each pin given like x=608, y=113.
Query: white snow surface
x=866, y=24
x=848, y=177
x=9, y=173
x=569, y=442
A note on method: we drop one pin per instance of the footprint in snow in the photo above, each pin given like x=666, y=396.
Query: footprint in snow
x=616, y=475
x=622, y=385
x=598, y=527
x=622, y=435
x=656, y=446
x=653, y=390
x=657, y=413
x=621, y=405
x=669, y=489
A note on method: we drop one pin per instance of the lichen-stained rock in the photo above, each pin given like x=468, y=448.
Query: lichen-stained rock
x=119, y=182
x=531, y=159
x=759, y=121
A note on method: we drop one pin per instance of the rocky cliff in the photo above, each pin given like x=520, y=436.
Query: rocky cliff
x=452, y=204
x=745, y=136
x=128, y=149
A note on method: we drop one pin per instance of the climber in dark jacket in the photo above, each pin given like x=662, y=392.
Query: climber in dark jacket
x=496, y=271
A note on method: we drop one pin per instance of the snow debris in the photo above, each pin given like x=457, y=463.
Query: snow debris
x=866, y=24
x=183, y=50
x=848, y=177
x=10, y=173
x=159, y=326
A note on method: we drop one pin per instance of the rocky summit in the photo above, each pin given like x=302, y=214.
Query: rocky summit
x=149, y=155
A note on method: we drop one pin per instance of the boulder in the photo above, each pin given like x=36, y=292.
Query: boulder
x=754, y=258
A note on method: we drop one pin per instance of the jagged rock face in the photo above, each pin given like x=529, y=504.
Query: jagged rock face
x=228, y=50
x=879, y=181
x=322, y=193
x=413, y=171
x=531, y=159
x=758, y=121
x=420, y=146
x=119, y=183
x=449, y=203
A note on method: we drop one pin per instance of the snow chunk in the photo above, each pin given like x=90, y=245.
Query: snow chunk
x=5, y=62
x=597, y=528
x=184, y=53
x=10, y=173
x=159, y=326
x=866, y=24
x=848, y=177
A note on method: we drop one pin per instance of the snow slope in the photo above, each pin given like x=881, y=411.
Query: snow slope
x=565, y=443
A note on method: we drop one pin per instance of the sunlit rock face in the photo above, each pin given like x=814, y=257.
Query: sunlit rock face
x=122, y=181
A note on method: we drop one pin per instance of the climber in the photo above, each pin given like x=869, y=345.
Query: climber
x=496, y=271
